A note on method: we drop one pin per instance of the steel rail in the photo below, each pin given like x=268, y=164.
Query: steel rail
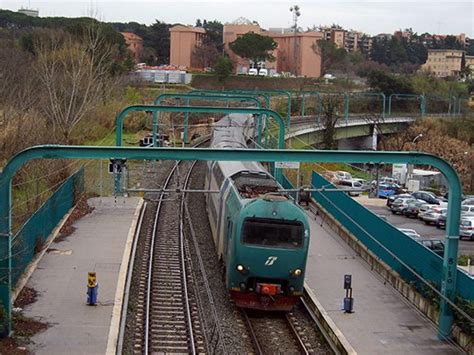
x=302, y=346
x=150, y=262
x=184, y=277
x=255, y=340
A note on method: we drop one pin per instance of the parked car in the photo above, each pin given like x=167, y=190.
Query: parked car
x=385, y=190
x=364, y=183
x=432, y=215
x=412, y=209
x=388, y=180
x=353, y=185
x=400, y=204
x=410, y=232
x=441, y=222
x=253, y=71
x=392, y=198
x=426, y=196
x=466, y=228
x=436, y=245
x=343, y=175
x=468, y=201
x=263, y=72
x=424, y=208
x=467, y=210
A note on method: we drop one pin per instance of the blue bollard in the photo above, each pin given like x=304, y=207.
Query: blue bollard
x=92, y=289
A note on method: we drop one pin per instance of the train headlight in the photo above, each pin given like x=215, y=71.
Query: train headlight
x=240, y=268
x=297, y=272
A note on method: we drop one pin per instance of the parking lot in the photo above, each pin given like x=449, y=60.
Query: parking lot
x=379, y=207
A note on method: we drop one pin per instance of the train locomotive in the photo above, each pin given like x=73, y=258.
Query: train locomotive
x=261, y=235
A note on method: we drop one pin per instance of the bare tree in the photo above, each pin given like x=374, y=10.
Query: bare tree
x=204, y=56
x=73, y=74
x=330, y=106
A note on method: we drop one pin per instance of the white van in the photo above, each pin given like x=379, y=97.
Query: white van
x=343, y=175
x=253, y=71
x=263, y=72
x=351, y=185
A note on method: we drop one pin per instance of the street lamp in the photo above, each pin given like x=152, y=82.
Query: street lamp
x=416, y=138
x=410, y=167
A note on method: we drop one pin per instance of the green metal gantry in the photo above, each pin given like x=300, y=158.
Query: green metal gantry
x=188, y=97
x=448, y=287
x=199, y=109
x=260, y=92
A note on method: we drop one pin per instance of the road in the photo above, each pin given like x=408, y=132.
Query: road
x=466, y=247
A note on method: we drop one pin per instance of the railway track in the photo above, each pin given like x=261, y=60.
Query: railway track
x=275, y=333
x=165, y=312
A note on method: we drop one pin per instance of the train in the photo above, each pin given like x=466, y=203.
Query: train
x=261, y=235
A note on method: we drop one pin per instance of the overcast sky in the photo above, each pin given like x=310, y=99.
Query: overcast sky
x=373, y=17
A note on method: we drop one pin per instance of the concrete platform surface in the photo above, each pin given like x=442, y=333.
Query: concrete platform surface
x=383, y=322
x=97, y=245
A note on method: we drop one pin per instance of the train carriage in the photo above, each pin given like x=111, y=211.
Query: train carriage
x=261, y=235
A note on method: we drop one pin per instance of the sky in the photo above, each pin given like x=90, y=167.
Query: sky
x=372, y=17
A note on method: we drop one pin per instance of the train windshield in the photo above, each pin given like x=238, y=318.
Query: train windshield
x=273, y=233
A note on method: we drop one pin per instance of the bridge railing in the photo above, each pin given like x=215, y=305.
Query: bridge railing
x=310, y=104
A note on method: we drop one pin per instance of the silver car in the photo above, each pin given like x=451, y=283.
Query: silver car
x=466, y=228
x=432, y=215
x=410, y=232
x=424, y=208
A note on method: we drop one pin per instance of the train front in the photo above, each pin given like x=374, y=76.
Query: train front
x=267, y=256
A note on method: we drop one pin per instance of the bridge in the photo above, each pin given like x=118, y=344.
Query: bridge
x=355, y=133
x=361, y=116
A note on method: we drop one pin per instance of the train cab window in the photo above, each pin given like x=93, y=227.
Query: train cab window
x=273, y=233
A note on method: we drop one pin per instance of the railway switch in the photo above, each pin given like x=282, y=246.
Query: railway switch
x=92, y=289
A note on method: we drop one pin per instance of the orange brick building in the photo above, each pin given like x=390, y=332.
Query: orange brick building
x=183, y=41
x=294, y=53
x=134, y=43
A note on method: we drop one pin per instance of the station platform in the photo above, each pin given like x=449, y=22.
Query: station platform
x=383, y=321
x=99, y=244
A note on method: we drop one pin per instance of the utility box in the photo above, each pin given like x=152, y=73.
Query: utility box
x=413, y=185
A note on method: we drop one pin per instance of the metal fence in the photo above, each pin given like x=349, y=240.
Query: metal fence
x=385, y=241
x=31, y=237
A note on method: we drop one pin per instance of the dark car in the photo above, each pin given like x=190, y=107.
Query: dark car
x=436, y=245
x=429, y=197
x=392, y=198
x=412, y=209
x=441, y=222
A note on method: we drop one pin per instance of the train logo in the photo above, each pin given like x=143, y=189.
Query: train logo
x=271, y=260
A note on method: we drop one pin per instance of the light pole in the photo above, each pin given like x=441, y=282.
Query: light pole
x=411, y=166
x=296, y=13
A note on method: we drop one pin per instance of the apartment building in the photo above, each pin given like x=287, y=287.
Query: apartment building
x=183, y=41
x=446, y=62
x=294, y=54
x=350, y=40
